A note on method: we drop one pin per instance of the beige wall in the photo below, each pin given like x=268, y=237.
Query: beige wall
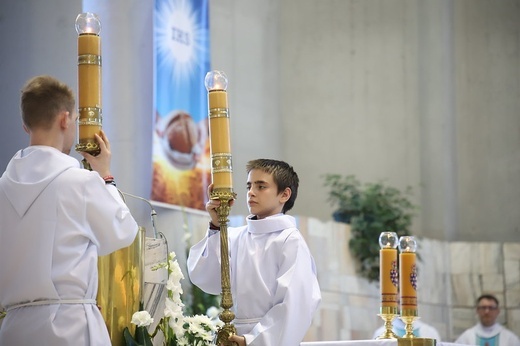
x=416, y=93
x=488, y=118
x=419, y=93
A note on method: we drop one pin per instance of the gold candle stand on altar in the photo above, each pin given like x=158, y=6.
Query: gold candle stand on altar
x=408, y=292
x=88, y=27
x=221, y=173
x=388, y=281
x=403, y=280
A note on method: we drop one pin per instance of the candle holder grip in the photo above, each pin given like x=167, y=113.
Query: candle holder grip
x=225, y=196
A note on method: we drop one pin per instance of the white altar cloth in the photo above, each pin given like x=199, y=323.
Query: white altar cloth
x=364, y=343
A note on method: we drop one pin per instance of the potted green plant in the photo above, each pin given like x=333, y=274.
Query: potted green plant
x=369, y=208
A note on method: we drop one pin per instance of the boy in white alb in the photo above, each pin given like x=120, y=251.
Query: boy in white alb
x=273, y=276
x=55, y=220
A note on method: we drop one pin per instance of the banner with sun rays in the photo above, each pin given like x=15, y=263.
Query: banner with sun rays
x=181, y=157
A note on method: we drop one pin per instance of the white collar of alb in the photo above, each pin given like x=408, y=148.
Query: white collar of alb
x=488, y=332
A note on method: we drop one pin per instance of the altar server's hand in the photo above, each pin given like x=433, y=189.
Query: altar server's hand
x=212, y=205
x=101, y=162
x=239, y=339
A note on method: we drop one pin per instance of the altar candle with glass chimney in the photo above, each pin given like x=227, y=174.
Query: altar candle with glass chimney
x=88, y=28
x=220, y=145
x=408, y=276
x=388, y=273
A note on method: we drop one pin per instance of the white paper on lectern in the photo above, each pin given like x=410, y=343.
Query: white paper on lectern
x=155, y=253
x=154, y=294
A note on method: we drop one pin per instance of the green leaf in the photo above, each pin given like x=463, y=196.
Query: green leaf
x=142, y=338
x=129, y=340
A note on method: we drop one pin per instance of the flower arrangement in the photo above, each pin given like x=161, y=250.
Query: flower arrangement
x=177, y=329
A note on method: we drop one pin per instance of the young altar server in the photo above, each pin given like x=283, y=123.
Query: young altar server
x=55, y=220
x=273, y=276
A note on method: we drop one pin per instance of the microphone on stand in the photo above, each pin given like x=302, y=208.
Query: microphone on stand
x=153, y=214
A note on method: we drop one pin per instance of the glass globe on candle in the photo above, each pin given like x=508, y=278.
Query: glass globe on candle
x=388, y=240
x=407, y=244
x=88, y=23
x=216, y=80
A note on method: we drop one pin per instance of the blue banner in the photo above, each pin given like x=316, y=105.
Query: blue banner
x=181, y=157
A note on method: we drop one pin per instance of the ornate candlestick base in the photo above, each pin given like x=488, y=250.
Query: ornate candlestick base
x=226, y=316
x=409, y=339
x=86, y=165
x=388, y=314
x=227, y=329
x=92, y=149
x=408, y=324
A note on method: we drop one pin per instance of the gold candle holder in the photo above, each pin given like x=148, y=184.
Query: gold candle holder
x=388, y=281
x=88, y=28
x=221, y=174
x=411, y=340
x=408, y=282
x=408, y=292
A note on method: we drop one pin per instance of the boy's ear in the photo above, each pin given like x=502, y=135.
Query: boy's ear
x=285, y=195
x=64, y=119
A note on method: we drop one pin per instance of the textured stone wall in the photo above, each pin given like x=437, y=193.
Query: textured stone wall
x=451, y=277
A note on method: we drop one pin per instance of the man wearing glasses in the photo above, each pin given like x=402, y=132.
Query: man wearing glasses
x=488, y=332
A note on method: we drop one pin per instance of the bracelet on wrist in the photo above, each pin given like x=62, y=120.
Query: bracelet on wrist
x=213, y=227
x=110, y=182
x=108, y=178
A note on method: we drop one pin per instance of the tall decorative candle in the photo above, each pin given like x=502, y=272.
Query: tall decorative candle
x=88, y=27
x=221, y=172
x=220, y=145
x=388, y=273
x=408, y=276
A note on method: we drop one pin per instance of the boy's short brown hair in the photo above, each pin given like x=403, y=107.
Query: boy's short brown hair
x=43, y=97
